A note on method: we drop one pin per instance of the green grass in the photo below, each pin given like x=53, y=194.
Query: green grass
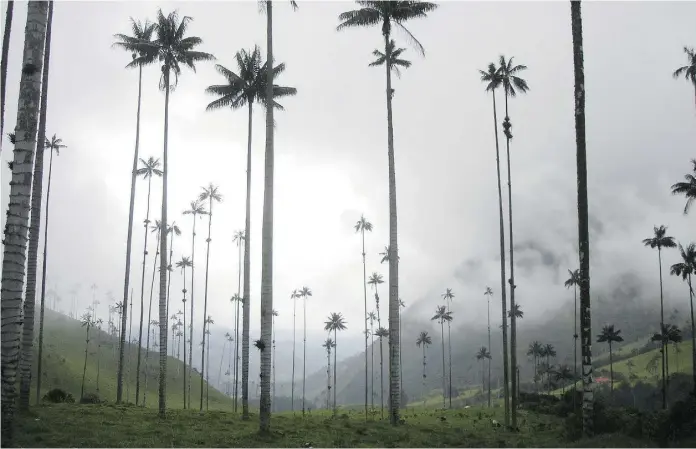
x=73, y=425
x=64, y=356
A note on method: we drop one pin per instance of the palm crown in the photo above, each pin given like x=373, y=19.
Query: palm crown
x=574, y=278
x=328, y=344
x=305, y=292
x=488, y=292
x=173, y=228
x=196, y=208
x=335, y=322
x=375, y=279
x=184, y=263
x=363, y=225
x=238, y=237
x=442, y=315
x=424, y=339
x=170, y=47
x=660, y=239
x=535, y=349
x=388, y=14
x=386, y=254
x=609, y=335
x=394, y=60
x=142, y=32
x=689, y=70
x=448, y=295
x=249, y=86
x=483, y=353
x=54, y=144
x=212, y=192
x=688, y=188
x=688, y=265
x=491, y=76
x=149, y=168
x=508, y=77
x=517, y=311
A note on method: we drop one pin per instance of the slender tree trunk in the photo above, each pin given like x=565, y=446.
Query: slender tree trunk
x=246, y=306
x=513, y=318
x=449, y=350
x=3, y=65
x=304, y=350
x=328, y=376
x=236, y=328
x=423, y=381
x=169, y=272
x=583, y=232
x=365, y=298
x=98, y=355
x=489, y=348
x=394, y=393
x=273, y=356
x=129, y=244
x=190, y=353
x=27, y=355
x=442, y=333
x=335, y=384
x=693, y=331
x=503, y=289
x=207, y=376
x=17, y=224
x=267, y=238
x=292, y=380
x=149, y=314
x=163, y=263
x=84, y=369
x=142, y=296
x=575, y=345
x=372, y=364
x=662, y=340
x=611, y=370
x=130, y=335
x=184, y=336
x=205, y=294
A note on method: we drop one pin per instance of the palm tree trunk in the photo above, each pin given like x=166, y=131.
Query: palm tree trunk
x=162, y=405
x=169, y=273
x=513, y=318
x=394, y=394
x=27, y=354
x=423, y=381
x=335, y=384
x=503, y=289
x=236, y=330
x=372, y=364
x=142, y=296
x=693, y=330
x=193, y=267
x=662, y=341
x=17, y=225
x=273, y=358
x=442, y=333
x=381, y=377
x=365, y=298
x=611, y=370
x=184, y=337
x=267, y=238
x=149, y=314
x=98, y=355
x=246, y=304
x=207, y=376
x=489, y=348
x=304, y=350
x=583, y=232
x=129, y=243
x=130, y=334
x=205, y=295
x=292, y=380
x=575, y=344
x=84, y=368
x=449, y=350
x=3, y=65
x=328, y=376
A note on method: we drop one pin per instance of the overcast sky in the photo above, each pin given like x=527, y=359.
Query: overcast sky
x=331, y=162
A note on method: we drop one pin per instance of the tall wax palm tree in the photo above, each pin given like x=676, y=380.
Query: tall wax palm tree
x=274, y=355
x=394, y=59
x=442, y=315
x=328, y=344
x=197, y=208
x=574, y=281
x=142, y=32
x=334, y=323
x=172, y=230
x=685, y=269
x=241, y=239
x=294, y=296
x=535, y=350
x=549, y=351
x=158, y=229
x=488, y=294
x=3, y=64
x=172, y=49
x=388, y=14
x=511, y=82
x=481, y=356
x=660, y=240
x=371, y=317
x=183, y=263
x=26, y=357
x=147, y=170
x=212, y=194
x=304, y=293
x=17, y=224
x=236, y=301
x=688, y=188
x=381, y=333
x=689, y=70
x=267, y=230
x=562, y=375
x=610, y=335
x=374, y=280
x=448, y=296
x=493, y=79
x=222, y=359
x=424, y=340
x=583, y=223
x=669, y=333
x=86, y=321
x=245, y=89
x=363, y=226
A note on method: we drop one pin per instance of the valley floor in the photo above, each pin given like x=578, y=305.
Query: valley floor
x=73, y=425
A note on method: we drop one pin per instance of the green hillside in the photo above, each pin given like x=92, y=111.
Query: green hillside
x=64, y=356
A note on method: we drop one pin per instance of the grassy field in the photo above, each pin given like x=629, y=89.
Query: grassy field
x=73, y=425
x=64, y=356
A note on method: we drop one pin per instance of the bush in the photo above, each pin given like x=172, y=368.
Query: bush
x=57, y=396
x=91, y=398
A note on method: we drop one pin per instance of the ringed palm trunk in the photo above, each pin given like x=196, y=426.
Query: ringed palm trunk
x=693, y=329
x=163, y=263
x=335, y=385
x=169, y=273
x=328, y=376
x=292, y=381
x=130, y=334
x=84, y=369
x=246, y=308
x=381, y=366
x=236, y=331
x=513, y=320
x=394, y=393
x=423, y=381
x=205, y=296
x=372, y=364
x=142, y=296
x=503, y=289
x=575, y=343
x=149, y=316
x=611, y=370
x=662, y=341
x=442, y=333
x=489, y=348
x=17, y=225
x=267, y=238
x=193, y=267
x=27, y=354
x=129, y=243
x=583, y=227
x=3, y=65
x=304, y=350
x=449, y=350
x=365, y=297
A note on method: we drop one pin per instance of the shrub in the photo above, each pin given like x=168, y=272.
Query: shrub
x=91, y=398
x=58, y=396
